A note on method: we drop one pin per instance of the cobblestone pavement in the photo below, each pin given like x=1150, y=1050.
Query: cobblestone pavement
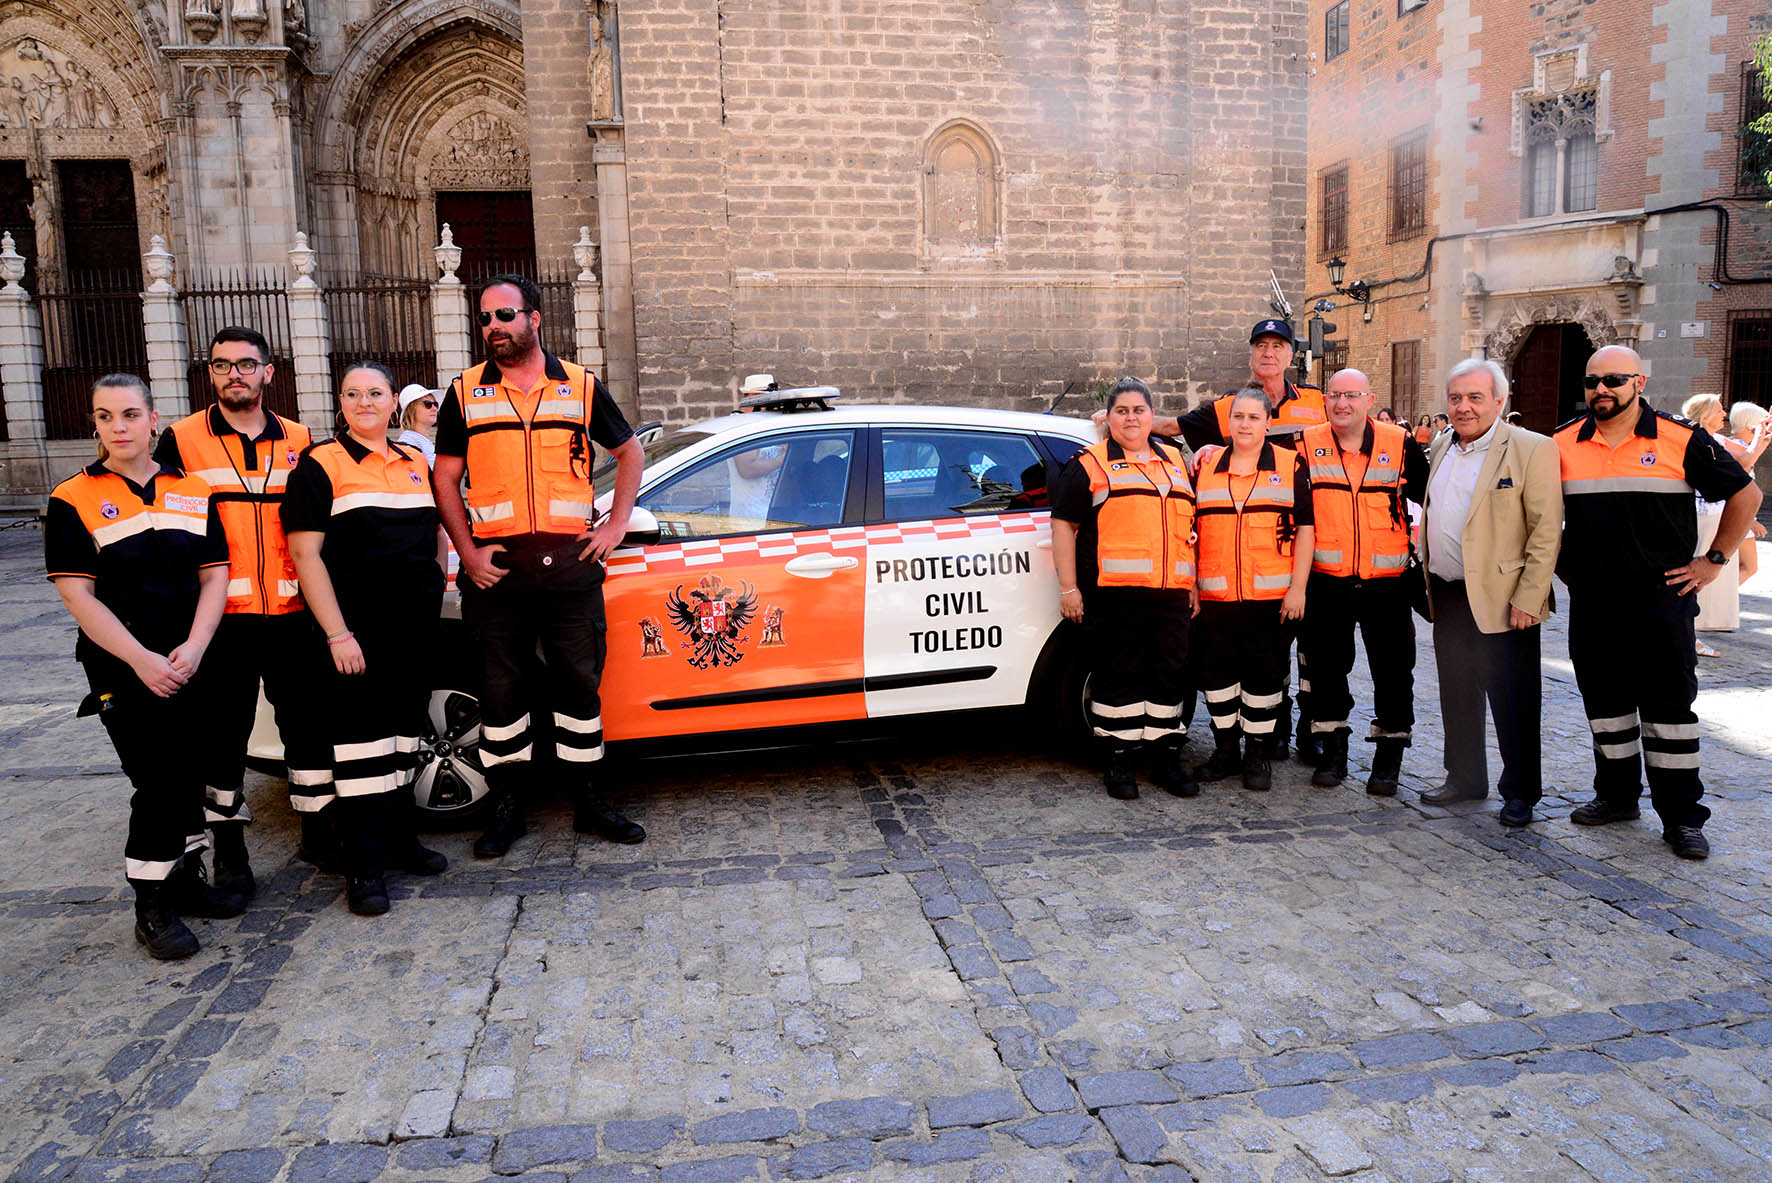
x=947, y=958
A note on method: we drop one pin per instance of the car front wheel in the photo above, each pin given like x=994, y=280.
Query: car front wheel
x=450, y=786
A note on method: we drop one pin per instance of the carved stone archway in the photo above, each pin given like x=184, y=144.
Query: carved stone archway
x=1521, y=316
x=62, y=98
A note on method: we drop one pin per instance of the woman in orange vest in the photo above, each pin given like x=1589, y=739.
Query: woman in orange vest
x=137, y=553
x=1255, y=536
x=362, y=528
x=1122, y=546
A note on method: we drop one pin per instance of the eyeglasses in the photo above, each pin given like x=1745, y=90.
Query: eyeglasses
x=429, y=404
x=505, y=315
x=221, y=367
x=1611, y=381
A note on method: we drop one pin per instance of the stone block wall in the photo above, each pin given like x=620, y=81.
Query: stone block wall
x=1147, y=169
x=562, y=180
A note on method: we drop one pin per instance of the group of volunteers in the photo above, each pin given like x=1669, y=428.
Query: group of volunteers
x=231, y=548
x=1195, y=552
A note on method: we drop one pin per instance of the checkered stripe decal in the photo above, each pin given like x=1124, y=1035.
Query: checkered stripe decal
x=688, y=556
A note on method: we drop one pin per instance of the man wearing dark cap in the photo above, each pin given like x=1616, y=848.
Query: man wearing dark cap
x=1293, y=408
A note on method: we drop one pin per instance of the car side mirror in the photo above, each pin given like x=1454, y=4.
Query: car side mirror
x=642, y=528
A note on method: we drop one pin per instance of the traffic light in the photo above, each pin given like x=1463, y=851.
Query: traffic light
x=1320, y=330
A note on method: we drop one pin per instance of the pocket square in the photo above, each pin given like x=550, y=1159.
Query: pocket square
x=1507, y=482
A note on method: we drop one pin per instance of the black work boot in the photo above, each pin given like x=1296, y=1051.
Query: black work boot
x=157, y=926
x=320, y=843
x=505, y=827
x=1170, y=771
x=1332, y=767
x=1258, y=774
x=189, y=894
x=592, y=815
x=405, y=852
x=233, y=870
x=1387, y=766
x=1226, y=759
x=1313, y=746
x=1121, y=785
x=366, y=895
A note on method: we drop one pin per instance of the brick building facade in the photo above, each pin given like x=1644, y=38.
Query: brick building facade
x=979, y=204
x=1542, y=139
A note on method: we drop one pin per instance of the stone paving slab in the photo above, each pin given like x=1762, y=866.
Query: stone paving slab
x=947, y=958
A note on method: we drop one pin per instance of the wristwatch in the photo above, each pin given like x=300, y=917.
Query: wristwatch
x=1716, y=556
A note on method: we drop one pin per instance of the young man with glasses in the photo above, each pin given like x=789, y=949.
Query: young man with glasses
x=245, y=453
x=520, y=427
x=1630, y=530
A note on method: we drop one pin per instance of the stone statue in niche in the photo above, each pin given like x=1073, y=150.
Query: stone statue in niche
x=602, y=64
x=249, y=18
x=203, y=18
x=40, y=87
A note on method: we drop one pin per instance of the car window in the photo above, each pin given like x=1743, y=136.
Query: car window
x=780, y=482
x=668, y=444
x=943, y=473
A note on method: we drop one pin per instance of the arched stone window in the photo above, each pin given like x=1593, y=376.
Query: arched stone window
x=961, y=194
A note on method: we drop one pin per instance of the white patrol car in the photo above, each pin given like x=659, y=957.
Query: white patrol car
x=802, y=563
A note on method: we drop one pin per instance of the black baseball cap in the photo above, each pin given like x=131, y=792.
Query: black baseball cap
x=1272, y=328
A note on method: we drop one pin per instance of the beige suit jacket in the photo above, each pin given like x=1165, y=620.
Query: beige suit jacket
x=1515, y=526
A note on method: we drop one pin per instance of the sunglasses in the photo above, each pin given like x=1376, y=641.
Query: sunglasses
x=429, y=404
x=505, y=315
x=1611, y=381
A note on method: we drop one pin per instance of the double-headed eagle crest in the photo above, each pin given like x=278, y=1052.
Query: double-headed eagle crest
x=713, y=619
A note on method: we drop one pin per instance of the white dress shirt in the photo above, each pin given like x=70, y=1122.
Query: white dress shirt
x=1449, y=496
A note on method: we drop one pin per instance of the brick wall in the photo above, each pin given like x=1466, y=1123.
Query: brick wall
x=1378, y=92
x=1150, y=170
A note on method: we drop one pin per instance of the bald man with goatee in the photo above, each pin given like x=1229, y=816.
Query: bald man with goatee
x=1630, y=529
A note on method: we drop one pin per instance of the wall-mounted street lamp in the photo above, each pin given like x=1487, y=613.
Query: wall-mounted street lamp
x=1356, y=291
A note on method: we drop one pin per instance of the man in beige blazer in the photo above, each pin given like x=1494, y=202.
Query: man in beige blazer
x=1491, y=526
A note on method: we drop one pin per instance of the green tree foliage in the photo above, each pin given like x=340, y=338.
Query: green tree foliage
x=1756, y=134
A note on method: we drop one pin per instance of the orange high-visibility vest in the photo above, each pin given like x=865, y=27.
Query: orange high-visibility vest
x=1301, y=408
x=1359, y=532
x=527, y=476
x=248, y=495
x=1245, y=551
x=1143, y=535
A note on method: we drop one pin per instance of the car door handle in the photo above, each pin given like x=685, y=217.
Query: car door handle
x=819, y=566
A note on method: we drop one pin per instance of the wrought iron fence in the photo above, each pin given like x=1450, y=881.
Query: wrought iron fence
x=92, y=326
x=384, y=319
x=249, y=301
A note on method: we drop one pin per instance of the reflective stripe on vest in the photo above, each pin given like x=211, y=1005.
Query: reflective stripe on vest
x=1143, y=537
x=1239, y=551
x=249, y=500
x=1357, y=530
x=528, y=476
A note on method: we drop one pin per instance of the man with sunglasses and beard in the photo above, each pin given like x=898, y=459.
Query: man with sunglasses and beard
x=519, y=426
x=1630, y=528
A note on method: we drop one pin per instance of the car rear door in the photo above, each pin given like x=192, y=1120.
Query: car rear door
x=746, y=612
x=961, y=594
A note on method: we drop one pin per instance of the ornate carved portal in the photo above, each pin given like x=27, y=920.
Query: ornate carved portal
x=447, y=115
x=1516, y=324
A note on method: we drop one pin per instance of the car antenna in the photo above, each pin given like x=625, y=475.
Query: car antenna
x=1053, y=405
